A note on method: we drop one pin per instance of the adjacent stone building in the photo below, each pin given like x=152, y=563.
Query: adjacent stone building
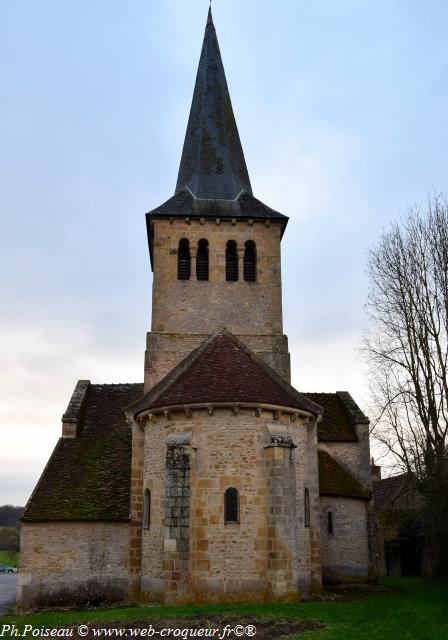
x=214, y=480
x=400, y=543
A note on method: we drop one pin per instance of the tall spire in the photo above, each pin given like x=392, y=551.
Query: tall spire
x=212, y=164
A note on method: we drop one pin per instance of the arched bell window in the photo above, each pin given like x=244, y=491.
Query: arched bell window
x=231, y=506
x=202, y=260
x=146, y=509
x=231, y=261
x=307, y=507
x=183, y=260
x=250, y=261
x=330, y=527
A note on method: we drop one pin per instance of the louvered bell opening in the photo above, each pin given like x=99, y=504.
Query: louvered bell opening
x=183, y=260
x=250, y=262
x=231, y=262
x=202, y=260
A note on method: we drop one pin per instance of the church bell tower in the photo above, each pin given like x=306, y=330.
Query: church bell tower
x=214, y=247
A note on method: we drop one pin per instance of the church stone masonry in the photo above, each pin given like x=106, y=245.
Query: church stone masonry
x=215, y=480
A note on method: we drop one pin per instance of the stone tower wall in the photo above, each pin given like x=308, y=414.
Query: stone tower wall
x=191, y=306
x=185, y=312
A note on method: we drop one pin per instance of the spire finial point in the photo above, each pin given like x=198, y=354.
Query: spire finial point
x=210, y=17
x=212, y=165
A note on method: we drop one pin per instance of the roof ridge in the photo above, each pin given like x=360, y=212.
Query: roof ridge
x=269, y=370
x=352, y=408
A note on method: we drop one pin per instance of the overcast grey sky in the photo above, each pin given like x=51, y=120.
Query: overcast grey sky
x=342, y=110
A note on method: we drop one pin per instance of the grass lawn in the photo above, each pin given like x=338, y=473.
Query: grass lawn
x=10, y=558
x=419, y=611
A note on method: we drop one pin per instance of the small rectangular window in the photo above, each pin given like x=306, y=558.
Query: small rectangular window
x=146, y=509
x=307, y=507
x=231, y=506
x=330, y=523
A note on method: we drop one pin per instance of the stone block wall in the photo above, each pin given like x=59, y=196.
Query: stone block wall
x=191, y=306
x=310, y=569
x=228, y=561
x=282, y=519
x=257, y=558
x=136, y=513
x=177, y=519
x=354, y=455
x=72, y=564
x=344, y=553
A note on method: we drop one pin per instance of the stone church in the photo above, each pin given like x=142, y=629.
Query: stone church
x=215, y=479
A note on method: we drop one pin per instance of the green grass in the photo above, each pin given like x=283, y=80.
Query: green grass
x=10, y=558
x=418, y=612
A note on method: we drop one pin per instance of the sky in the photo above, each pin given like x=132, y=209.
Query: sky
x=342, y=111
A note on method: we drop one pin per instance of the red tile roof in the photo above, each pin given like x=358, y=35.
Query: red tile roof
x=397, y=493
x=337, y=424
x=89, y=477
x=223, y=370
x=336, y=480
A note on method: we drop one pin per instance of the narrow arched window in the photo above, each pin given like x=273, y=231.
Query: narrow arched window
x=330, y=523
x=183, y=260
x=202, y=260
x=250, y=261
x=231, y=506
x=146, y=509
x=307, y=507
x=231, y=261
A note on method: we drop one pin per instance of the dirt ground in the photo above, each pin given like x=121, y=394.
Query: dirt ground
x=213, y=626
x=222, y=627
x=354, y=591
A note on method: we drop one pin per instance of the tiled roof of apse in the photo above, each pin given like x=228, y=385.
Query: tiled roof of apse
x=223, y=370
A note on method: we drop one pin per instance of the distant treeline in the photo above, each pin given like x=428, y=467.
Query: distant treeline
x=10, y=516
x=9, y=539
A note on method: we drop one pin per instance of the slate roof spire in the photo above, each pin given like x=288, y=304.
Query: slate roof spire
x=212, y=164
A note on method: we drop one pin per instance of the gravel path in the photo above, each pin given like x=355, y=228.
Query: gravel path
x=8, y=583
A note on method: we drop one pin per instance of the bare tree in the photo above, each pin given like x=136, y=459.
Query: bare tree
x=407, y=350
